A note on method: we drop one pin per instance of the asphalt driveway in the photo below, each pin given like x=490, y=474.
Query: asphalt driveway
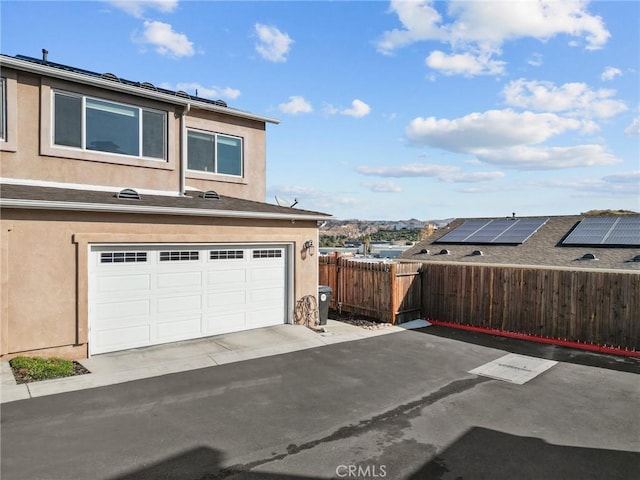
x=400, y=406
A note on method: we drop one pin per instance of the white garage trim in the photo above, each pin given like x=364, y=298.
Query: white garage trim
x=142, y=295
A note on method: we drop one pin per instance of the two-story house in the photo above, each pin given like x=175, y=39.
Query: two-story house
x=133, y=215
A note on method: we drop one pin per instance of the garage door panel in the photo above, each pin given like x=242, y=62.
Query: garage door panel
x=127, y=309
x=123, y=283
x=225, y=322
x=126, y=337
x=180, y=280
x=266, y=296
x=227, y=276
x=226, y=300
x=179, y=329
x=179, y=304
x=185, y=291
x=262, y=274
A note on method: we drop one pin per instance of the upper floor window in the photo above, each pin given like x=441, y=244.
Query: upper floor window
x=92, y=124
x=3, y=110
x=214, y=153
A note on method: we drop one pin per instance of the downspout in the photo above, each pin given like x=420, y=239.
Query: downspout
x=183, y=148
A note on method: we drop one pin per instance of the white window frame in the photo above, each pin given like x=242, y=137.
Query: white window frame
x=9, y=143
x=83, y=134
x=215, y=135
x=49, y=149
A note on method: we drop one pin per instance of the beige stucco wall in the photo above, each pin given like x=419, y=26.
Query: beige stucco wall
x=34, y=157
x=44, y=257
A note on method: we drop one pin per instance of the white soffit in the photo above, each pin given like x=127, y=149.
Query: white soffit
x=512, y=368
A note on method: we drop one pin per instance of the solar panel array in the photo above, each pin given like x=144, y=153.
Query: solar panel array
x=606, y=231
x=497, y=231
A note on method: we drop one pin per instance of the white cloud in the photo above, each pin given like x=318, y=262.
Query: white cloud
x=465, y=64
x=137, y=8
x=296, y=105
x=446, y=173
x=358, y=109
x=382, y=187
x=420, y=21
x=633, y=128
x=273, y=45
x=549, y=158
x=212, y=92
x=166, y=41
x=622, y=184
x=610, y=73
x=535, y=60
x=572, y=98
x=410, y=170
x=491, y=23
x=489, y=130
x=478, y=29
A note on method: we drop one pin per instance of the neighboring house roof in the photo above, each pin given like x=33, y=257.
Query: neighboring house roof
x=112, y=82
x=543, y=248
x=192, y=204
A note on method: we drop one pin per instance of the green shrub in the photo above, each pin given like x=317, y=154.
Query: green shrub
x=34, y=368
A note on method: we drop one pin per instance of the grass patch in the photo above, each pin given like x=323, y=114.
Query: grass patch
x=32, y=369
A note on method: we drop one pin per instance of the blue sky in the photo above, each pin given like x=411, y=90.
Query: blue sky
x=390, y=110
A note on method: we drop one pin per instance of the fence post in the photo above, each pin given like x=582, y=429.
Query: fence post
x=394, y=295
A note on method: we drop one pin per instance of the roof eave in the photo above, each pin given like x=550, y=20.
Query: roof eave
x=153, y=210
x=130, y=89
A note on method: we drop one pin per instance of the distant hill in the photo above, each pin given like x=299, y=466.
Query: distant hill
x=595, y=213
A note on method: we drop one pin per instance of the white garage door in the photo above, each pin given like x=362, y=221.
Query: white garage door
x=141, y=296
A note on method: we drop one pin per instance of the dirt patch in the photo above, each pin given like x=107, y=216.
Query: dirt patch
x=358, y=320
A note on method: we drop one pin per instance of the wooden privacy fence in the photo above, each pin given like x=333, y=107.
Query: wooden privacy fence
x=586, y=306
x=388, y=292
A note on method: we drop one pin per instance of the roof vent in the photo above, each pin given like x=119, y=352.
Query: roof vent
x=220, y=103
x=110, y=76
x=424, y=251
x=588, y=256
x=149, y=86
x=635, y=259
x=477, y=253
x=210, y=194
x=182, y=93
x=128, y=194
x=444, y=251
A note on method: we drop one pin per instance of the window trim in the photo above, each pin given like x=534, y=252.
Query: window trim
x=210, y=175
x=48, y=148
x=10, y=141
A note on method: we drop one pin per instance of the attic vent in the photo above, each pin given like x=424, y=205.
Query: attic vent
x=110, y=76
x=635, y=259
x=128, y=194
x=444, y=251
x=210, y=194
x=477, y=253
x=424, y=251
x=182, y=93
x=220, y=103
x=588, y=256
x=149, y=86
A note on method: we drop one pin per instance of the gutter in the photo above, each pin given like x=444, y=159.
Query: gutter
x=151, y=210
x=10, y=62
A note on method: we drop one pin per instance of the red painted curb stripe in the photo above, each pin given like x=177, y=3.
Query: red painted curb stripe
x=534, y=338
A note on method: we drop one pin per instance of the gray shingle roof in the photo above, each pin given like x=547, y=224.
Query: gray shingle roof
x=543, y=248
x=25, y=196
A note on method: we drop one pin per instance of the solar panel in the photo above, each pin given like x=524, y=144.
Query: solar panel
x=606, y=231
x=497, y=231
